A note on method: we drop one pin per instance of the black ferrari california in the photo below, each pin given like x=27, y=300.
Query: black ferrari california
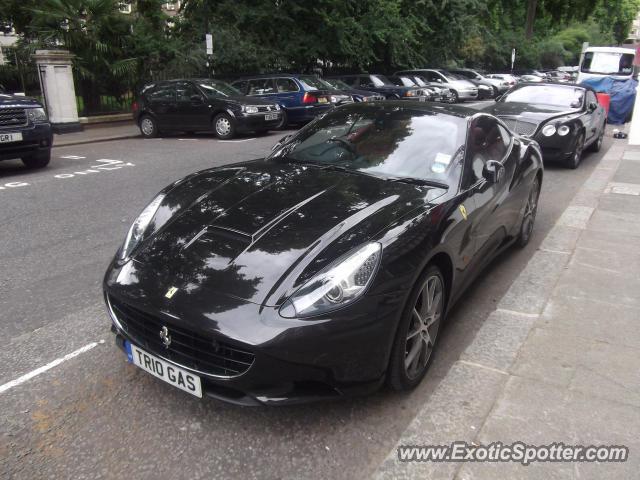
x=327, y=268
x=564, y=119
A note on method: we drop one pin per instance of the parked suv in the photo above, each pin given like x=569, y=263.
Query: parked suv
x=301, y=97
x=202, y=105
x=25, y=131
x=462, y=89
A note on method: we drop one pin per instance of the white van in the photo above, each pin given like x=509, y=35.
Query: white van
x=597, y=62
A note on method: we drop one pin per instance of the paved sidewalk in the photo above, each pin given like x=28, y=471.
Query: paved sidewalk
x=558, y=360
x=98, y=133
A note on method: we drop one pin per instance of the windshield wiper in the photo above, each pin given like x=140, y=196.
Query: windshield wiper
x=420, y=181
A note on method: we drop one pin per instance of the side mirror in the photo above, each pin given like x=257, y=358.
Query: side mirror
x=493, y=171
x=281, y=142
x=593, y=106
x=196, y=99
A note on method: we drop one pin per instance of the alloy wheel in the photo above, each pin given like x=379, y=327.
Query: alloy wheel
x=530, y=211
x=223, y=126
x=147, y=126
x=424, y=326
x=577, y=153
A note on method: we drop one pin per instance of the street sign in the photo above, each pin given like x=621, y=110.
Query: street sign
x=209, y=41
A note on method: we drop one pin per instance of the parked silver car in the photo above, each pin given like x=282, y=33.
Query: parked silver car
x=462, y=89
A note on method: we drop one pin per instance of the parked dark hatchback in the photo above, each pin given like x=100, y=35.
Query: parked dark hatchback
x=329, y=267
x=25, y=131
x=382, y=85
x=301, y=97
x=202, y=105
x=357, y=94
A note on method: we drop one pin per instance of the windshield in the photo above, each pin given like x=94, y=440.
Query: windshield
x=452, y=76
x=334, y=82
x=314, y=83
x=407, y=82
x=552, y=95
x=216, y=88
x=608, y=63
x=384, y=141
x=380, y=80
x=419, y=81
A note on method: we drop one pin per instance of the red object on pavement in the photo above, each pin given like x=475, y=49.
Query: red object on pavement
x=604, y=99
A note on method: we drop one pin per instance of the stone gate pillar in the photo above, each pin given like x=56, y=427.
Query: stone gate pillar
x=56, y=80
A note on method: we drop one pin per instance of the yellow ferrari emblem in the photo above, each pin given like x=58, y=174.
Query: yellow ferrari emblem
x=171, y=292
x=463, y=211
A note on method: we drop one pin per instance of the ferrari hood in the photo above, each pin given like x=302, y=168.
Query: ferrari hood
x=248, y=231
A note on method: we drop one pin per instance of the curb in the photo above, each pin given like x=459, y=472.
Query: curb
x=93, y=140
x=460, y=404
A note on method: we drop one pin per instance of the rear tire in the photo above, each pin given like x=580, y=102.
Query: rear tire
x=597, y=145
x=148, y=126
x=417, y=333
x=38, y=160
x=284, y=122
x=224, y=126
x=529, y=218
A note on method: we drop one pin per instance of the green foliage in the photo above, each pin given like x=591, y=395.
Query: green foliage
x=117, y=53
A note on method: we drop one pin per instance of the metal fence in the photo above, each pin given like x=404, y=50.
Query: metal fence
x=106, y=104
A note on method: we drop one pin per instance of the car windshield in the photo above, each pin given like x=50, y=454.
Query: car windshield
x=419, y=81
x=383, y=141
x=452, y=76
x=313, y=83
x=335, y=83
x=551, y=95
x=608, y=63
x=380, y=80
x=216, y=88
x=407, y=82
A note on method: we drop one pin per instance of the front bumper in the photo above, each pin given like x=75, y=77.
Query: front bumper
x=556, y=149
x=294, y=361
x=36, y=139
x=250, y=122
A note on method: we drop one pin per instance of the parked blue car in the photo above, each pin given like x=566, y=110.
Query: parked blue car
x=301, y=97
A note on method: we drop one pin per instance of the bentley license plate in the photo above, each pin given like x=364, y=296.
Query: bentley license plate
x=10, y=137
x=163, y=370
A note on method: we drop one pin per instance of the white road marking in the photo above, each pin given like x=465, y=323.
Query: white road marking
x=73, y=157
x=48, y=366
x=237, y=141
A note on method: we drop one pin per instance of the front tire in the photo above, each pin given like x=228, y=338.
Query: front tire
x=576, y=157
x=530, y=211
x=454, y=97
x=148, y=127
x=224, y=126
x=284, y=122
x=418, y=331
x=38, y=160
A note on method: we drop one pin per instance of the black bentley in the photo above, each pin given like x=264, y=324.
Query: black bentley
x=563, y=119
x=327, y=268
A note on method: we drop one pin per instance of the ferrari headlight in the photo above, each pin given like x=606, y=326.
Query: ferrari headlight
x=137, y=230
x=549, y=130
x=563, y=130
x=37, y=115
x=336, y=286
x=250, y=109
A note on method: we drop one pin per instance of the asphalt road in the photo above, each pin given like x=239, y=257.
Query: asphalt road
x=95, y=416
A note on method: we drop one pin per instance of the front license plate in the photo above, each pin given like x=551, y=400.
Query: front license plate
x=166, y=371
x=10, y=137
x=271, y=116
x=422, y=99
